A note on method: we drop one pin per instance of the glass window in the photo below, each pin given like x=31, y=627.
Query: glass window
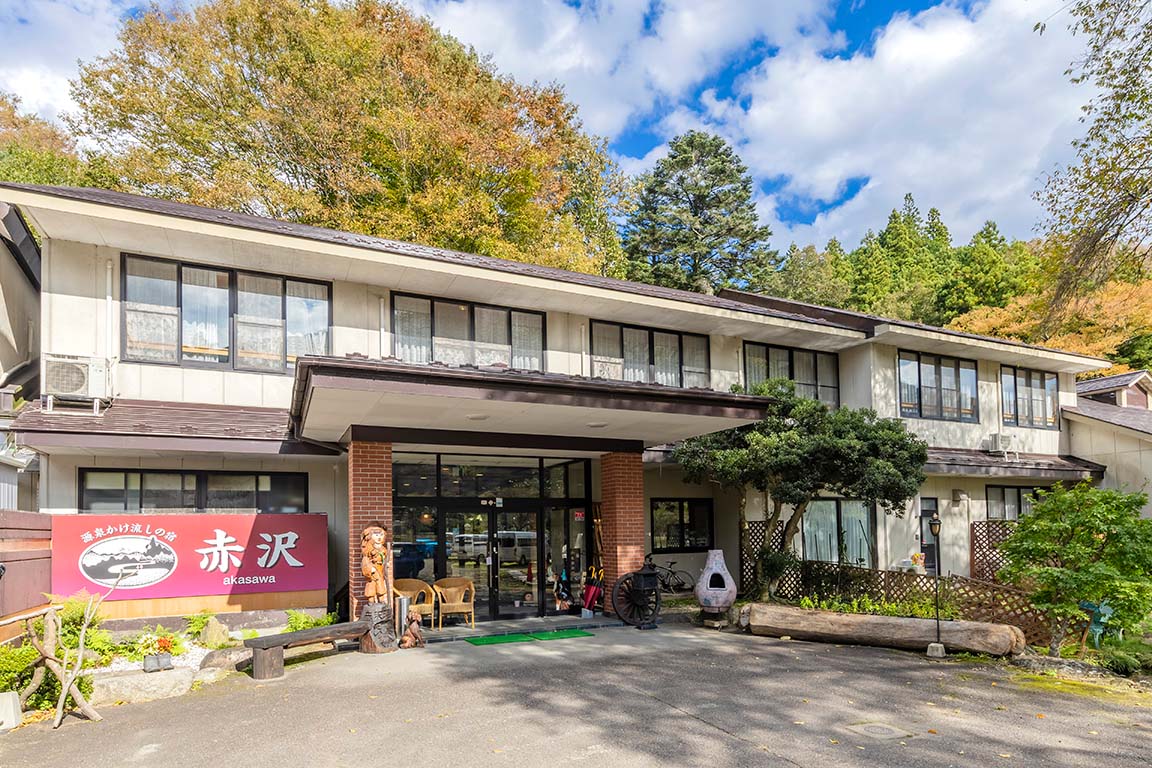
x=909, y=384
x=489, y=477
x=413, y=329
x=820, y=539
x=627, y=353
x=635, y=354
x=307, y=315
x=527, y=341
x=1029, y=398
x=168, y=492
x=230, y=492
x=681, y=525
x=666, y=358
x=103, y=491
x=414, y=528
x=696, y=372
x=936, y=387
x=815, y=374
x=414, y=474
x=839, y=531
x=204, y=315
x=259, y=322
x=1007, y=502
x=492, y=344
x=284, y=493
x=452, y=329
x=151, y=314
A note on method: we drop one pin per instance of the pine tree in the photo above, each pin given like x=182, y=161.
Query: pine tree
x=695, y=226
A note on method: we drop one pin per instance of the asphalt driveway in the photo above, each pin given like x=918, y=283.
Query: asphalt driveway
x=674, y=696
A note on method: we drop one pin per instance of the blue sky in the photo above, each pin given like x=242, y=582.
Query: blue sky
x=838, y=108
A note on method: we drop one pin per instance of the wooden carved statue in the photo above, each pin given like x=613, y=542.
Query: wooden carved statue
x=376, y=563
x=413, y=633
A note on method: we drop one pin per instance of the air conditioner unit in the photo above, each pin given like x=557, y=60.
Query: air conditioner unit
x=75, y=376
x=998, y=442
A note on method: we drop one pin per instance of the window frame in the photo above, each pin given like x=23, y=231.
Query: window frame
x=939, y=388
x=652, y=331
x=792, y=365
x=1023, y=490
x=472, y=307
x=683, y=502
x=233, y=300
x=1028, y=373
x=201, y=476
x=873, y=552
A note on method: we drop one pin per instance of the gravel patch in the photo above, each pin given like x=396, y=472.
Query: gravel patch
x=190, y=658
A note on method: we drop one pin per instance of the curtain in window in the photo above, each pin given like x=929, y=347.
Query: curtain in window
x=950, y=389
x=755, y=364
x=969, y=394
x=492, y=344
x=607, y=354
x=779, y=366
x=204, y=313
x=909, y=385
x=929, y=387
x=695, y=362
x=635, y=355
x=820, y=541
x=856, y=519
x=527, y=341
x=231, y=492
x=413, y=331
x=451, y=344
x=259, y=322
x=829, y=379
x=168, y=492
x=1039, y=400
x=666, y=358
x=151, y=317
x=307, y=316
x=1022, y=400
x=804, y=373
x=1052, y=391
x=1008, y=395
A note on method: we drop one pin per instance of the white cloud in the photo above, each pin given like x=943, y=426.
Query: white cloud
x=41, y=40
x=966, y=111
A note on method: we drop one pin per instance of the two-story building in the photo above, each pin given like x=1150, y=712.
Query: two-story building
x=504, y=420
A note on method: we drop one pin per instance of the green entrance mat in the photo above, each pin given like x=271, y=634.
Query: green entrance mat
x=499, y=639
x=561, y=634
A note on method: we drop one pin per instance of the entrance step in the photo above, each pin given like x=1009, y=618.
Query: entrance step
x=519, y=626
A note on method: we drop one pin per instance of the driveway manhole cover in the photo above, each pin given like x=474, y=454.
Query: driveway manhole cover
x=879, y=731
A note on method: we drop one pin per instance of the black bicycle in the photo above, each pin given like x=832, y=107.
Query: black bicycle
x=672, y=581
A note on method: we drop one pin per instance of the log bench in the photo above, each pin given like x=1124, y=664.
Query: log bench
x=268, y=651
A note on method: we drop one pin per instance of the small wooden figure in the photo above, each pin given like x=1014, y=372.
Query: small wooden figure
x=413, y=635
x=376, y=563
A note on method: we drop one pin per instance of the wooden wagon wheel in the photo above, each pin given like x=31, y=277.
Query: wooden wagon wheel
x=634, y=606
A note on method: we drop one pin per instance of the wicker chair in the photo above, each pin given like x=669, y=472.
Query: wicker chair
x=422, y=598
x=456, y=596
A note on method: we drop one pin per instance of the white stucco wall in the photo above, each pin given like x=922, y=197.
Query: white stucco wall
x=1127, y=454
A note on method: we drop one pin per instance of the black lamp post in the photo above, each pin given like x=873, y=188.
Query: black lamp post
x=934, y=526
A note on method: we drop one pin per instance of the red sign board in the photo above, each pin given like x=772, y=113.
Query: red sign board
x=188, y=555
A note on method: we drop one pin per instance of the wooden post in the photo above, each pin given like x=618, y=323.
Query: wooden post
x=268, y=663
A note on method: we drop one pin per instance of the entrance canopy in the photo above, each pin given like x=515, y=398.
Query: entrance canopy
x=338, y=399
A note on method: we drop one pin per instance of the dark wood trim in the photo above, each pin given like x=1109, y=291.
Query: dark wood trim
x=371, y=434
x=1023, y=471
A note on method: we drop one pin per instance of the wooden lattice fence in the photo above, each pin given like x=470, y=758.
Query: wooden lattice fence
x=975, y=600
x=757, y=535
x=985, y=556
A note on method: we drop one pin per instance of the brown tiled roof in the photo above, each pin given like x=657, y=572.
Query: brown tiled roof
x=1107, y=383
x=956, y=460
x=1136, y=419
x=321, y=234
x=154, y=418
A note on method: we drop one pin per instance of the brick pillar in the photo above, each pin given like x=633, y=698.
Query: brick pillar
x=622, y=516
x=369, y=501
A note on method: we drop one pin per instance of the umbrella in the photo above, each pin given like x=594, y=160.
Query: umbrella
x=593, y=587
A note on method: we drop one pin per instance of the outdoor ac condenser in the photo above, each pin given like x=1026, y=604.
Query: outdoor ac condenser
x=998, y=442
x=75, y=376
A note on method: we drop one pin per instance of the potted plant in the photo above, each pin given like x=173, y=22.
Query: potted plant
x=157, y=651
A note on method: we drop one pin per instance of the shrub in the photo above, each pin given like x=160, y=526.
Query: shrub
x=1126, y=658
x=16, y=672
x=298, y=620
x=773, y=565
x=917, y=608
x=195, y=623
x=249, y=634
x=151, y=641
x=71, y=614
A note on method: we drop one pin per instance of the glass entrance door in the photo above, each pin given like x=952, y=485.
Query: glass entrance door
x=467, y=547
x=516, y=564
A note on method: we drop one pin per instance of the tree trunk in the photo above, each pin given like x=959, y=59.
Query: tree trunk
x=794, y=524
x=1059, y=632
x=884, y=631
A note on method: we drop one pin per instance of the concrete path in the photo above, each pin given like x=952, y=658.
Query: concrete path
x=674, y=696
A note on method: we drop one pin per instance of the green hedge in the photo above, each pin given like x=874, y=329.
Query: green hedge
x=16, y=673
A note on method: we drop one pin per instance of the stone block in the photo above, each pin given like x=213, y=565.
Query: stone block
x=214, y=634
x=137, y=686
x=233, y=659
